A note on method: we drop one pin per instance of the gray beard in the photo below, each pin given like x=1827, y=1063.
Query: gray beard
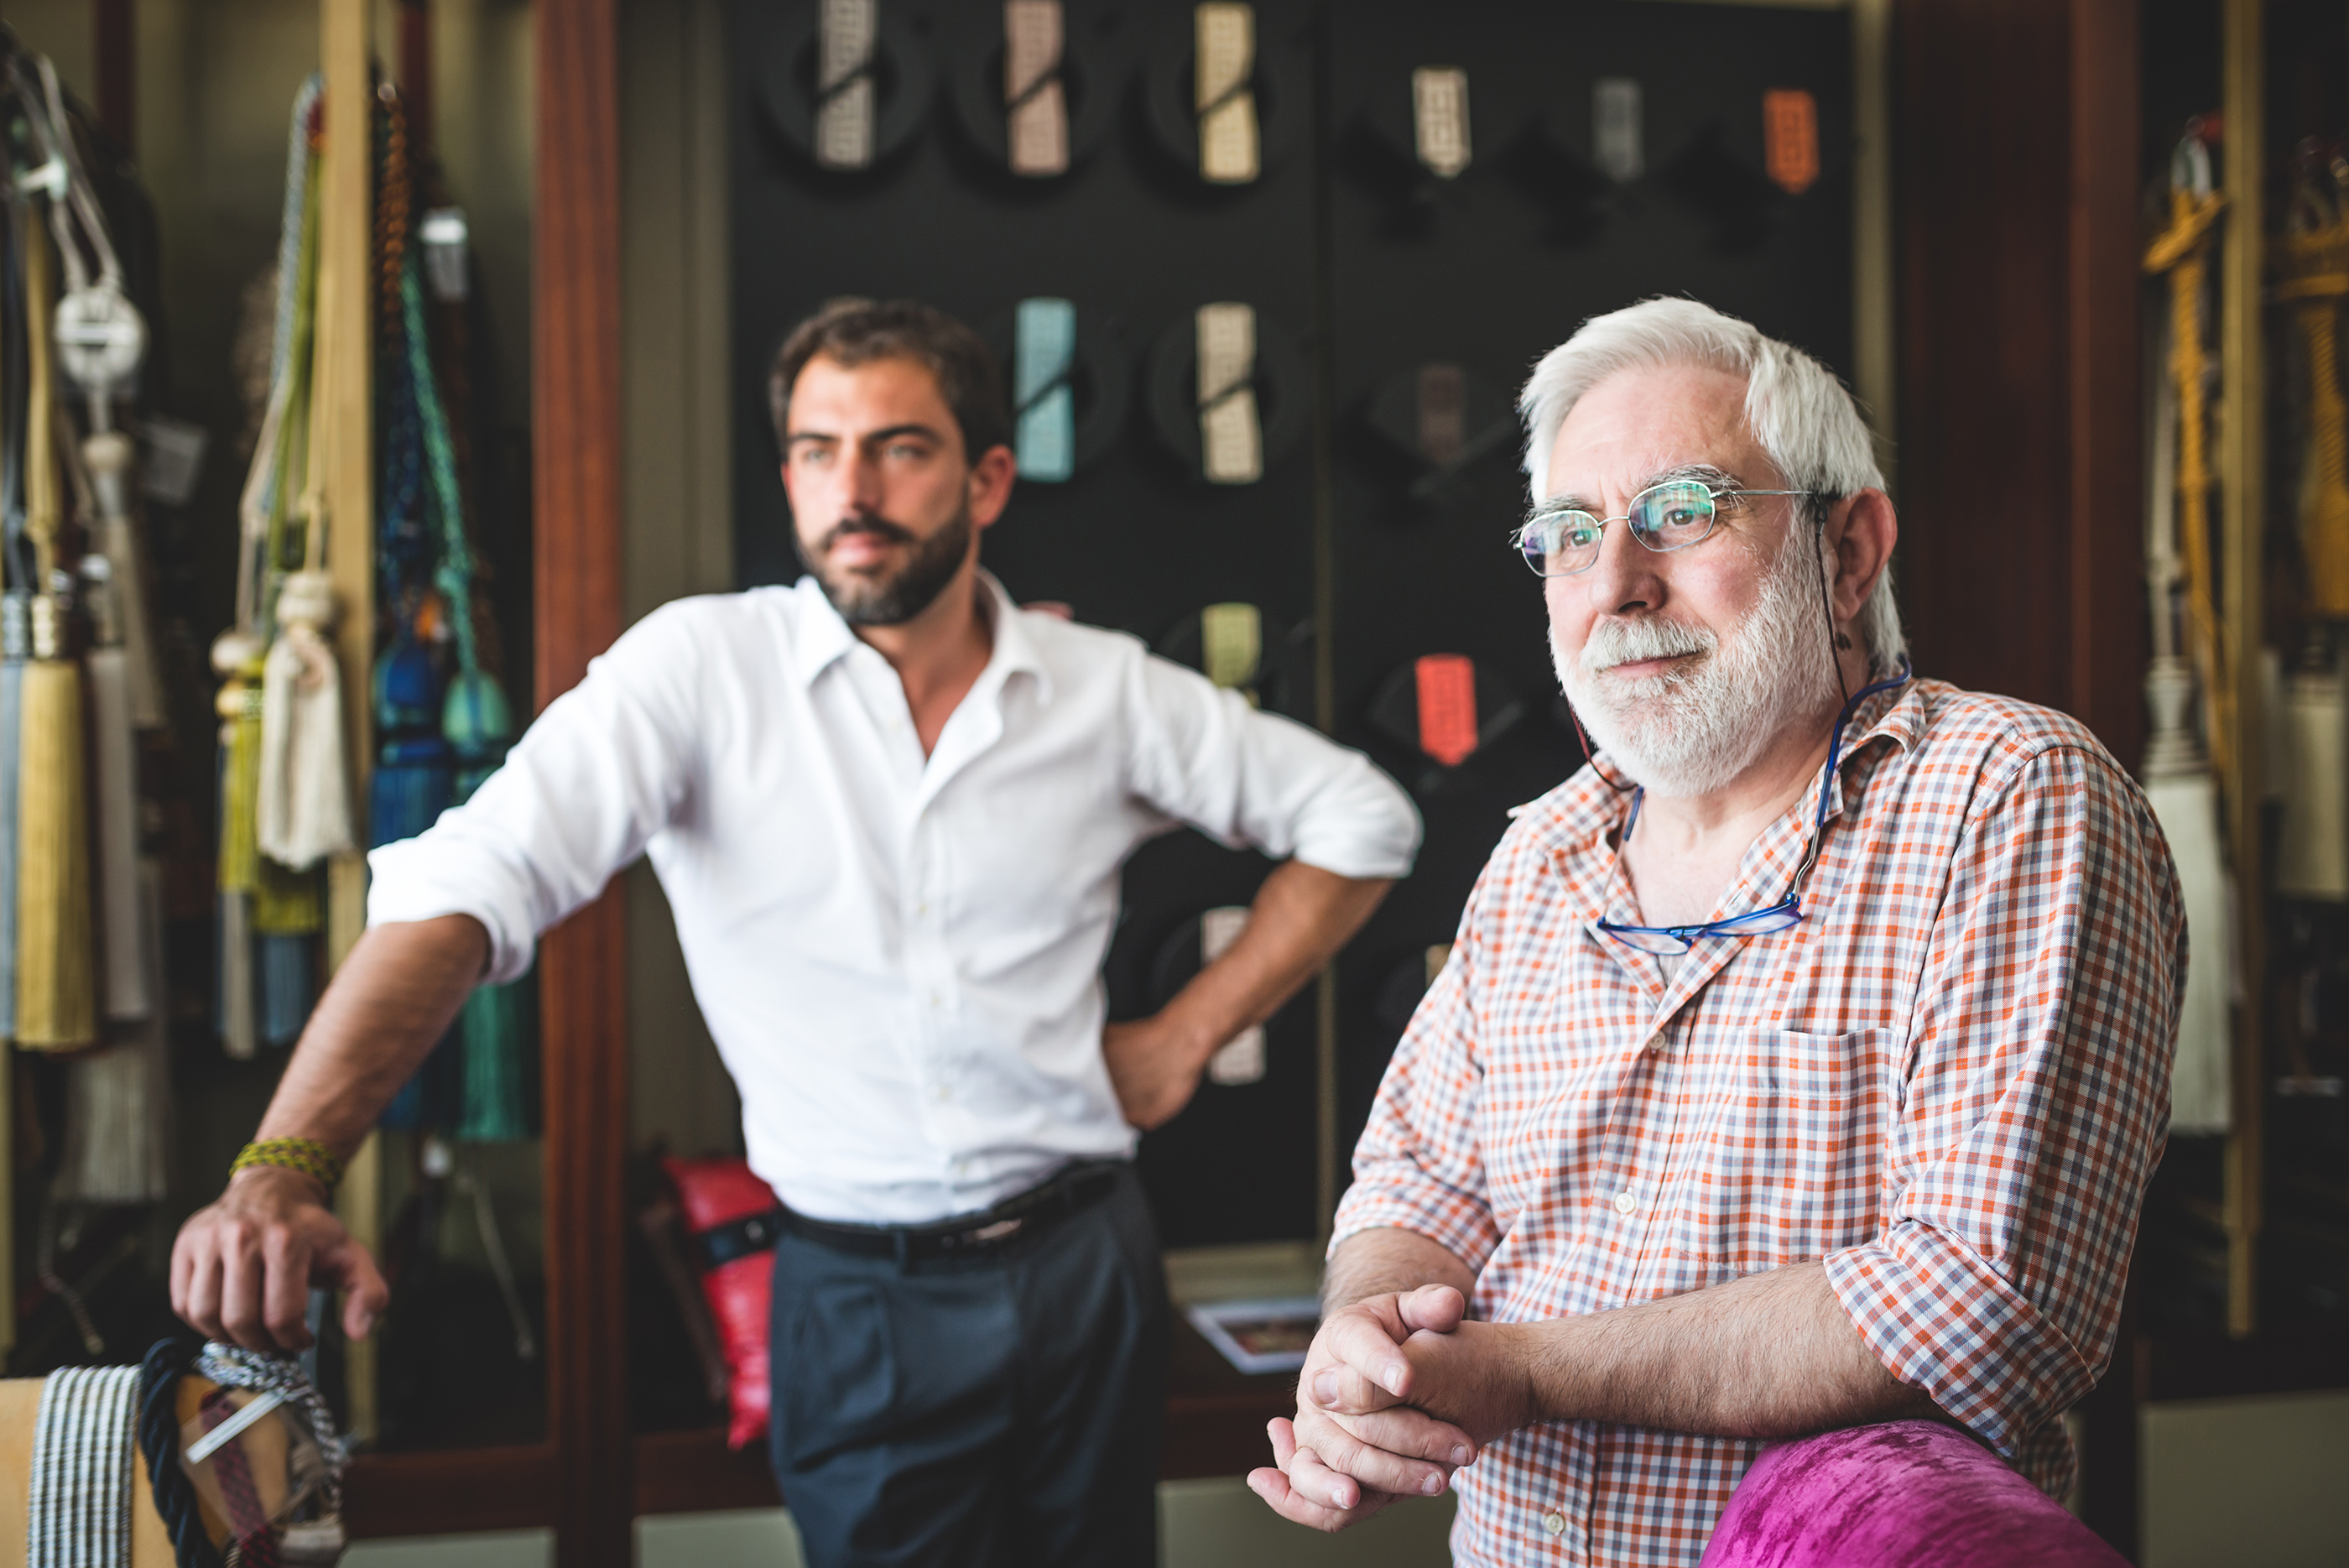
x=1695, y=729
x=893, y=600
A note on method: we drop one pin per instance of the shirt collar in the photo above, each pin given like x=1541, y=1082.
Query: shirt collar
x=824, y=638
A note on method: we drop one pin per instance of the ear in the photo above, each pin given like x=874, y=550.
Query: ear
x=988, y=487
x=1861, y=530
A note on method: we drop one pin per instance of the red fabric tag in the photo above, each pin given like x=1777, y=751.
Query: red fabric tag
x=1447, y=707
x=1790, y=139
x=715, y=1192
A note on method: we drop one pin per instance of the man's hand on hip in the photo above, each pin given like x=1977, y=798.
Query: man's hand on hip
x=242, y=1268
x=1336, y=1466
x=1155, y=1065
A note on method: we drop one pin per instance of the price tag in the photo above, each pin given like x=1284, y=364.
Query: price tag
x=1239, y=1060
x=1036, y=126
x=1044, y=407
x=1790, y=139
x=1443, y=412
x=1447, y=707
x=1616, y=143
x=1224, y=63
x=1439, y=101
x=1231, y=442
x=845, y=34
x=1231, y=639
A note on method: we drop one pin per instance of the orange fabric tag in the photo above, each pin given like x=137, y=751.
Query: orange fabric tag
x=1447, y=707
x=1790, y=139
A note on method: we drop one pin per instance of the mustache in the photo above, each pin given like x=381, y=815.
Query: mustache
x=880, y=527
x=1614, y=642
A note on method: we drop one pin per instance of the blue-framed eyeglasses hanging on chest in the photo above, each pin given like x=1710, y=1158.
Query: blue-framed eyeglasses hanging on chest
x=1672, y=940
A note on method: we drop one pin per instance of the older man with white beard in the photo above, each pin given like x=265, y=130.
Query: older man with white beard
x=1800, y=1062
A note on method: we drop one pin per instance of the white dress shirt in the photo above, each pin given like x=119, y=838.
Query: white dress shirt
x=899, y=956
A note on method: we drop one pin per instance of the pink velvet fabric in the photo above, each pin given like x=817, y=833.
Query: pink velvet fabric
x=1905, y=1494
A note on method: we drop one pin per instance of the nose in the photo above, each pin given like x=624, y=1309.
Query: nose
x=1623, y=580
x=860, y=481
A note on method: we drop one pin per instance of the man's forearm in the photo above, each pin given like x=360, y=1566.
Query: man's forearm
x=1770, y=1356
x=1301, y=917
x=390, y=1000
x=1389, y=1263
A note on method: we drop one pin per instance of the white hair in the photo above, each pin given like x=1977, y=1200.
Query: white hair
x=1799, y=414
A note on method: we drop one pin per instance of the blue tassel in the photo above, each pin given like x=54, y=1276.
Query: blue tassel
x=286, y=990
x=411, y=789
x=407, y=687
x=479, y=723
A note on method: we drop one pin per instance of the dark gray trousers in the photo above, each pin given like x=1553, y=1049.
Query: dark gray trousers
x=993, y=1410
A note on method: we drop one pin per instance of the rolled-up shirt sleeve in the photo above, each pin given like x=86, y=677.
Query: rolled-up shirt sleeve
x=599, y=773
x=2034, y=1103
x=1203, y=756
x=1417, y=1166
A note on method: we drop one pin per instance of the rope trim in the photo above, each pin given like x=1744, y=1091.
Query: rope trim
x=309, y=1155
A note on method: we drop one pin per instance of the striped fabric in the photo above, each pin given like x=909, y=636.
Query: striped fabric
x=1950, y=1081
x=78, y=1508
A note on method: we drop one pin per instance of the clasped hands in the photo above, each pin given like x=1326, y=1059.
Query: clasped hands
x=1397, y=1393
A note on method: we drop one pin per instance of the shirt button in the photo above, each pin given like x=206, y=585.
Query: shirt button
x=936, y=1000
x=922, y=909
x=1625, y=1203
x=1554, y=1521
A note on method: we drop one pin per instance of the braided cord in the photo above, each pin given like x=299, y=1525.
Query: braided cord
x=455, y=575
x=307, y=1155
x=159, y=1439
x=232, y=1367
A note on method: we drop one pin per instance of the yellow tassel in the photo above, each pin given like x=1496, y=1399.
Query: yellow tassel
x=240, y=850
x=56, y=991
x=287, y=903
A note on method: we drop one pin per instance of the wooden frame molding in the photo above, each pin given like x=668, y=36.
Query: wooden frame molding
x=583, y=983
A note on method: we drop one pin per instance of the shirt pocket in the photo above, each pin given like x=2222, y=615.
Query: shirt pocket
x=1795, y=1154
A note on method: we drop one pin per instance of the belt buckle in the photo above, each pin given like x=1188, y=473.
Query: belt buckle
x=995, y=1232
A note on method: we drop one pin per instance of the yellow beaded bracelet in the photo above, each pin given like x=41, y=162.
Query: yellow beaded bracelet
x=307, y=1155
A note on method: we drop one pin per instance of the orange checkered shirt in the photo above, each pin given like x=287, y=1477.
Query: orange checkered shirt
x=1950, y=1081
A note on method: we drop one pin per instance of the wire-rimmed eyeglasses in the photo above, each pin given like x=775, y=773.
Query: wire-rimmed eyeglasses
x=1672, y=515
x=1788, y=911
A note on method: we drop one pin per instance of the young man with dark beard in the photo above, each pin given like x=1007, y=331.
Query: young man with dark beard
x=1800, y=1062
x=889, y=809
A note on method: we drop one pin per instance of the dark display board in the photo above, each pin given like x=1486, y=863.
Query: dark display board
x=1487, y=271
x=1344, y=230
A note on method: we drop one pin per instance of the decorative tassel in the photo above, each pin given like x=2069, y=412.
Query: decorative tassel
x=57, y=990
x=285, y=988
x=301, y=801
x=107, y=456
x=118, y=1099
x=411, y=789
x=288, y=911
x=16, y=640
x=479, y=723
x=115, y=795
x=240, y=854
x=494, y=1032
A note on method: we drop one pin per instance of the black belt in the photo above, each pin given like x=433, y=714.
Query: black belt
x=1025, y=1214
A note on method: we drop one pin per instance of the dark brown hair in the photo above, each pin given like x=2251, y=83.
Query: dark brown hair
x=857, y=331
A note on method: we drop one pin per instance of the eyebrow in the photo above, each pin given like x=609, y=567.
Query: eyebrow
x=889, y=433
x=1720, y=478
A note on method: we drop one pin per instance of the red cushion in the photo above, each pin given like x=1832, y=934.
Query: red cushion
x=711, y=1193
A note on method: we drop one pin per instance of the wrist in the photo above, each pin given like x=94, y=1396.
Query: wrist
x=280, y=1181
x=307, y=1158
